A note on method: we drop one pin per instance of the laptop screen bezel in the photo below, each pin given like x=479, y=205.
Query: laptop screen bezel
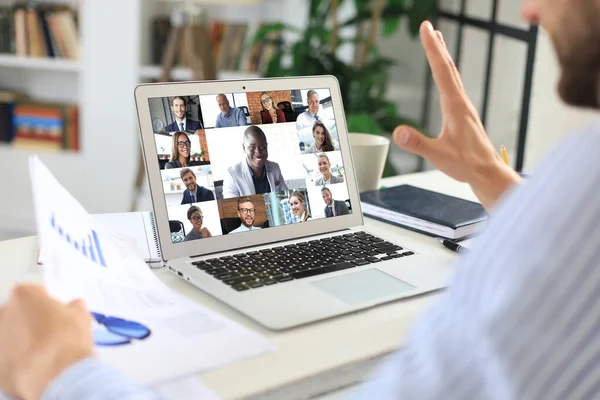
x=223, y=243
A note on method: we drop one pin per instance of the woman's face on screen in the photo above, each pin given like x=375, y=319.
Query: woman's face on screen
x=185, y=149
x=297, y=206
x=324, y=165
x=319, y=135
x=267, y=102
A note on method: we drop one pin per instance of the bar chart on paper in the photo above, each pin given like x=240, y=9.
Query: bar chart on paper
x=88, y=246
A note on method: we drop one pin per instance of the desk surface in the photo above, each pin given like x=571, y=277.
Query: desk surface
x=320, y=348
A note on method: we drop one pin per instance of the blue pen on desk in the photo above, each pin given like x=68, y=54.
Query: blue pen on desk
x=449, y=244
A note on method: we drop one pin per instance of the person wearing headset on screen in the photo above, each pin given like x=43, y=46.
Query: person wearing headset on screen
x=228, y=116
x=323, y=141
x=270, y=114
x=333, y=208
x=181, y=123
x=193, y=192
x=327, y=177
x=256, y=174
x=194, y=215
x=180, y=151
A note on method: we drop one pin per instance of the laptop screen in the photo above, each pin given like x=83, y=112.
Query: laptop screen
x=233, y=163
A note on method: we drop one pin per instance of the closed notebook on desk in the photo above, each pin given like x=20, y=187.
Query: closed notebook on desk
x=424, y=211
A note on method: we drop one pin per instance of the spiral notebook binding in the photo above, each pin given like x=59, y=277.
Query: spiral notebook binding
x=155, y=234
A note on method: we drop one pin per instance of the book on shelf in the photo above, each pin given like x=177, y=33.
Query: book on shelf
x=42, y=30
x=424, y=211
x=45, y=126
x=232, y=45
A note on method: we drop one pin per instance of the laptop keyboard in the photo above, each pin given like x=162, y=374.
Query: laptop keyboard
x=267, y=267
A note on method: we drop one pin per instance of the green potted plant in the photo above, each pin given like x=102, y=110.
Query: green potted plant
x=195, y=156
x=364, y=81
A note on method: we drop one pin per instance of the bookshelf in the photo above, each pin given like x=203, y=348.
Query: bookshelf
x=40, y=64
x=101, y=176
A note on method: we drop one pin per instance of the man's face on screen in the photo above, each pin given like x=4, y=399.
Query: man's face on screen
x=313, y=103
x=246, y=214
x=327, y=197
x=223, y=104
x=574, y=28
x=189, y=180
x=178, y=108
x=256, y=150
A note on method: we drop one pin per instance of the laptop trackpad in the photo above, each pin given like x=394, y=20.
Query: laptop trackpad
x=363, y=287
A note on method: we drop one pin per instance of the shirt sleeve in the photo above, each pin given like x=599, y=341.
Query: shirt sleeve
x=241, y=117
x=520, y=318
x=90, y=379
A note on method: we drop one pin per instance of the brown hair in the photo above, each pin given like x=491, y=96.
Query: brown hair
x=328, y=142
x=243, y=200
x=185, y=171
x=175, y=149
x=180, y=98
x=192, y=210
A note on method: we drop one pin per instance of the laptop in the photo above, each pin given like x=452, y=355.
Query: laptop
x=256, y=202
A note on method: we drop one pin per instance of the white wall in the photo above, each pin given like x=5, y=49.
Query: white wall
x=550, y=119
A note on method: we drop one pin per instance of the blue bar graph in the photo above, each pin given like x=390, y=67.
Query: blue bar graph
x=88, y=246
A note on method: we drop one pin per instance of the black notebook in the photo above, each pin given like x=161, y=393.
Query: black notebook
x=424, y=211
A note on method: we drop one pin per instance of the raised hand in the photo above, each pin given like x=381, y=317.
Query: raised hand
x=462, y=150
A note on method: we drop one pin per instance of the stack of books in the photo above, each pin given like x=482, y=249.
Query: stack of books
x=38, y=125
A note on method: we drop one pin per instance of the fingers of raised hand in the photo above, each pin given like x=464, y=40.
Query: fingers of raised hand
x=444, y=70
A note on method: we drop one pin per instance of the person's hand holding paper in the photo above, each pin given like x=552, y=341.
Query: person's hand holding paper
x=39, y=338
x=462, y=150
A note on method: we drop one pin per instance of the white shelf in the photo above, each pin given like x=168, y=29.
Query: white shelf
x=185, y=74
x=40, y=63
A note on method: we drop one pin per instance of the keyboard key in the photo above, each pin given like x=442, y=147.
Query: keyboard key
x=237, y=281
x=382, y=244
x=323, y=270
x=391, y=249
x=240, y=287
x=360, y=262
x=408, y=253
x=398, y=255
x=269, y=281
x=373, y=259
x=254, y=284
x=387, y=258
x=283, y=278
x=227, y=275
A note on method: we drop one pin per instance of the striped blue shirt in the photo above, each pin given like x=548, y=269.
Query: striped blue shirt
x=520, y=319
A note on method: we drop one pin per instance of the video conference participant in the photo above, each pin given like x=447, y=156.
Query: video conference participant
x=308, y=117
x=323, y=141
x=256, y=174
x=229, y=116
x=247, y=212
x=180, y=151
x=194, y=215
x=193, y=193
x=270, y=113
x=333, y=207
x=298, y=206
x=325, y=168
x=181, y=123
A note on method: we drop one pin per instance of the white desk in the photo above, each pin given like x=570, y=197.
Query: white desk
x=311, y=359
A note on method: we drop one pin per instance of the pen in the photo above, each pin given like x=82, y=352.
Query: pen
x=449, y=244
x=504, y=154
